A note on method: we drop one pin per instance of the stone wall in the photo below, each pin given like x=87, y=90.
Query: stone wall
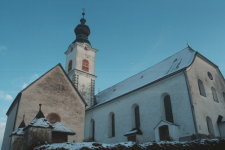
x=56, y=95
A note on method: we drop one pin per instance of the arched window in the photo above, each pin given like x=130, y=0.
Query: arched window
x=201, y=88
x=111, y=125
x=85, y=65
x=168, y=109
x=70, y=65
x=92, y=130
x=210, y=127
x=224, y=96
x=53, y=118
x=137, y=117
x=214, y=95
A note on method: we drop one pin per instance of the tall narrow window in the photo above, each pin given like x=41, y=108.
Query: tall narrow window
x=168, y=109
x=85, y=65
x=70, y=65
x=92, y=130
x=224, y=96
x=137, y=117
x=201, y=88
x=214, y=95
x=113, y=125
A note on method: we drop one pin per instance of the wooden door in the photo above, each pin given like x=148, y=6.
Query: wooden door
x=164, y=133
x=59, y=138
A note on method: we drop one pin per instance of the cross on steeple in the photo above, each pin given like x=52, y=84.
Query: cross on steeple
x=83, y=12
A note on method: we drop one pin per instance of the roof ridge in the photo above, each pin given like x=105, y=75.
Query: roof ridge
x=146, y=69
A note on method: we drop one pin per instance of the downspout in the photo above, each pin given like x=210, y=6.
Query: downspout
x=191, y=103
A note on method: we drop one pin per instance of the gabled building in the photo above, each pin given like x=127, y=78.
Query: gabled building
x=61, y=102
x=180, y=98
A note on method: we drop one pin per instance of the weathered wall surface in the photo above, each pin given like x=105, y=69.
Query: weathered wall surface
x=9, y=128
x=71, y=53
x=16, y=143
x=206, y=106
x=33, y=136
x=149, y=101
x=85, y=54
x=84, y=81
x=56, y=95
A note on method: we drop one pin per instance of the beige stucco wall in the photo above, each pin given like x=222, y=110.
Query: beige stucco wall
x=206, y=106
x=56, y=95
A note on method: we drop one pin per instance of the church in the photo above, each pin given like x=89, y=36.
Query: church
x=181, y=98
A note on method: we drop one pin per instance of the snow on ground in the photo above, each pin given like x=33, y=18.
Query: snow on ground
x=92, y=145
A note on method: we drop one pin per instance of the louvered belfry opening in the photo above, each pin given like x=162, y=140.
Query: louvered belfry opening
x=85, y=65
x=70, y=65
x=168, y=109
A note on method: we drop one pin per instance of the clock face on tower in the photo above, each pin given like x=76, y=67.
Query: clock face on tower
x=86, y=48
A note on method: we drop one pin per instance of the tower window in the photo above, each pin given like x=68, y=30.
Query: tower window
x=85, y=65
x=70, y=65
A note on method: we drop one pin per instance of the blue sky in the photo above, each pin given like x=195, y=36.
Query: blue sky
x=130, y=36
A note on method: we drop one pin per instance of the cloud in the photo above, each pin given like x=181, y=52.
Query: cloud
x=32, y=79
x=24, y=85
x=2, y=131
x=2, y=48
x=8, y=97
x=5, y=96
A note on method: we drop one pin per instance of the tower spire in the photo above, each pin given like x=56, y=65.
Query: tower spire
x=82, y=31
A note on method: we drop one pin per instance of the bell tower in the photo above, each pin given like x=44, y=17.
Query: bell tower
x=80, y=63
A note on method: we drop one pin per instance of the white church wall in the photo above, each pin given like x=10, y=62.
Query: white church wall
x=206, y=106
x=148, y=100
x=9, y=128
x=84, y=87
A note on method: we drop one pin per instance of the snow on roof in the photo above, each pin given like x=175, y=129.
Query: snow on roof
x=18, y=131
x=60, y=127
x=41, y=122
x=168, y=66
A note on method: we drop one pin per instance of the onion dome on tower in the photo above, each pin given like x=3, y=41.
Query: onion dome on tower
x=82, y=31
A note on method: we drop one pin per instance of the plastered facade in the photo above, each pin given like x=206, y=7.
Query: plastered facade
x=9, y=128
x=56, y=94
x=206, y=106
x=83, y=80
x=149, y=101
